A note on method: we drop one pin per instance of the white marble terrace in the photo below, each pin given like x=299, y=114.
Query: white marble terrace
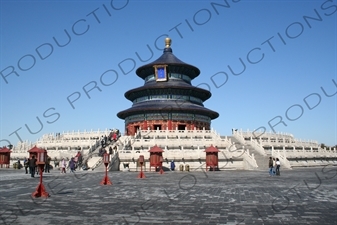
x=65, y=144
x=293, y=152
x=187, y=147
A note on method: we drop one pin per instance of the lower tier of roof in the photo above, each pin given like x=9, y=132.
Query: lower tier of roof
x=167, y=106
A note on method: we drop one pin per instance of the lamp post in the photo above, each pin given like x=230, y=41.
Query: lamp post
x=41, y=161
x=141, y=162
x=106, y=160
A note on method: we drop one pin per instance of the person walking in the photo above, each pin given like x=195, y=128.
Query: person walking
x=47, y=166
x=72, y=165
x=19, y=164
x=80, y=160
x=63, y=165
x=278, y=164
x=173, y=166
x=270, y=165
x=32, y=166
x=26, y=164
x=102, y=141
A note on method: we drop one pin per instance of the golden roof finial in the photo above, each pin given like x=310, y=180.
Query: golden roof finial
x=167, y=42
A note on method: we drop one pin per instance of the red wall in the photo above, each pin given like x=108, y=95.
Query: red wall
x=165, y=124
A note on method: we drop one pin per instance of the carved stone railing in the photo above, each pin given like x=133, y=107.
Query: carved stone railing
x=249, y=160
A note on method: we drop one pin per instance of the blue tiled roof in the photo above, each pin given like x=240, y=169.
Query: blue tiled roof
x=166, y=87
x=167, y=106
x=175, y=65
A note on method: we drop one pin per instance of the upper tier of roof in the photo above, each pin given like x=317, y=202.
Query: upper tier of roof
x=175, y=65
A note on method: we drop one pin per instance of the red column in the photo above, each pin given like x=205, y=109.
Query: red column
x=145, y=125
x=169, y=124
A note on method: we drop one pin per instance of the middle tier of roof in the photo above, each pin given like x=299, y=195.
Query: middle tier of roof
x=170, y=87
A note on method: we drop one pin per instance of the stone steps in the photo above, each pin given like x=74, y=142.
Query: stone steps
x=261, y=161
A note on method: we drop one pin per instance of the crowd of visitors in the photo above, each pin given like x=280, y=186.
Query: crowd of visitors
x=101, y=151
x=112, y=137
x=31, y=167
x=72, y=164
x=30, y=163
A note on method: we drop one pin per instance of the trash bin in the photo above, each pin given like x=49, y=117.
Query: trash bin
x=187, y=167
x=15, y=165
x=181, y=167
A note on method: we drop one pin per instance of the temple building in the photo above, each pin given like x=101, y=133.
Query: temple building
x=168, y=121
x=167, y=100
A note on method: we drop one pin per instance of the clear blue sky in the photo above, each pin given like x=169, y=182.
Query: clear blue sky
x=288, y=59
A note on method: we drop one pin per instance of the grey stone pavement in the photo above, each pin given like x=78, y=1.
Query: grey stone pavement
x=298, y=196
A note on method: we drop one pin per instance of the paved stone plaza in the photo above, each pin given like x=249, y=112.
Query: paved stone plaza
x=298, y=196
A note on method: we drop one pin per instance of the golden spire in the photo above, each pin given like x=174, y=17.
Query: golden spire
x=167, y=42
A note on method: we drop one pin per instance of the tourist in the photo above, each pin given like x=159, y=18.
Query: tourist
x=75, y=160
x=101, y=152
x=37, y=170
x=72, y=165
x=56, y=163
x=63, y=165
x=78, y=154
x=270, y=165
x=102, y=141
x=47, y=166
x=79, y=160
x=173, y=166
x=26, y=164
x=19, y=164
x=278, y=164
x=32, y=166
x=274, y=167
x=114, y=137
x=85, y=166
x=110, y=135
